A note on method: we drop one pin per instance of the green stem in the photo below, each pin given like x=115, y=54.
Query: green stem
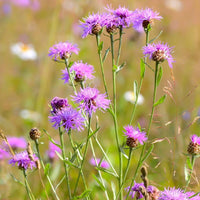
x=115, y=116
x=65, y=165
x=84, y=154
x=190, y=174
x=28, y=189
x=150, y=122
x=70, y=77
x=43, y=166
x=140, y=84
x=101, y=63
x=120, y=43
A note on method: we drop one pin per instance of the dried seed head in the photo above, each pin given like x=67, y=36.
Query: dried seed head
x=35, y=133
x=193, y=148
x=111, y=29
x=158, y=56
x=96, y=29
x=79, y=78
x=37, y=162
x=144, y=171
x=30, y=152
x=131, y=142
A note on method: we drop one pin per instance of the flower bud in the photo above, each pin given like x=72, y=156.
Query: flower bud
x=35, y=133
x=96, y=29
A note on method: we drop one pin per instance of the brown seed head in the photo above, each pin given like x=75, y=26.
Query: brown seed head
x=96, y=29
x=193, y=148
x=112, y=29
x=158, y=56
x=35, y=133
x=131, y=142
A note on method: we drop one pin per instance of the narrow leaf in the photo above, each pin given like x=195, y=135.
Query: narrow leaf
x=142, y=68
x=113, y=190
x=86, y=193
x=46, y=169
x=160, y=73
x=93, y=132
x=99, y=182
x=161, y=100
x=148, y=153
x=106, y=171
x=106, y=53
x=16, y=180
x=151, y=41
x=189, y=164
x=50, y=138
x=120, y=67
x=186, y=173
x=115, y=67
x=123, y=153
x=100, y=47
x=135, y=89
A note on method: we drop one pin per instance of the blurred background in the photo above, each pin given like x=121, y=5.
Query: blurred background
x=28, y=85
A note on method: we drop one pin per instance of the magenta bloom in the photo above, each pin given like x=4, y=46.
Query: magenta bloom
x=23, y=161
x=103, y=164
x=153, y=192
x=195, y=139
x=123, y=16
x=141, y=18
x=52, y=151
x=135, y=190
x=63, y=50
x=16, y=143
x=92, y=24
x=159, y=52
x=135, y=134
x=90, y=100
x=4, y=154
x=69, y=118
x=111, y=22
x=82, y=71
x=173, y=193
x=21, y=3
x=58, y=103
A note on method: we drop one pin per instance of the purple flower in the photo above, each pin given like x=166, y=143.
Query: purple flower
x=195, y=139
x=81, y=71
x=134, y=135
x=63, y=50
x=123, y=15
x=23, y=161
x=93, y=24
x=103, y=164
x=153, y=192
x=111, y=22
x=135, y=190
x=173, y=193
x=159, y=52
x=4, y=154
x=189, y=194
x=58, y=103
x=16, y=143
x=21, y=3
x=52, y=151
x=69, y=118
x=142, y=18
x=90, y=100
x=194, y=145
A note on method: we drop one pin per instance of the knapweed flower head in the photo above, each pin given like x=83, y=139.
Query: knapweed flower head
x=143, y=17
x=134, y=136
x=51, y=153
x=173, y=193
x=63, y=50
x=68, y=118
x=153, y=192
x=24, y=51
x=82, y=71
x=194, y=145
x=58, y=104
x=111, y=23
x=92, y=25
x=103, y=164
x=90, y=100
x=23, y=161
x=15, y=143
x=123, y=16
x=159, y=52
x=190, y=194
x=135, y=190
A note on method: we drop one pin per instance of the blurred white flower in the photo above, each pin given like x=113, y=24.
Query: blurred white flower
x=24, y=51
x=30, y=115
x=174, y=4
x=130, y=96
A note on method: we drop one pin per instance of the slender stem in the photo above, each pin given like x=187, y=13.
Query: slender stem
x=190, y=174
x=150, y=122
x=101, y=63
x=115, y=116
x=140, y=84
x=65, y=165
x=28, y=190
x=120, y=44
x=70, y=77
x=43, y=166
x=126, y=171
x=84, y=154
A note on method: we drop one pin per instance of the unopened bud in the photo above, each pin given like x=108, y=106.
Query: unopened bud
x=35, y=133
x=131, y=142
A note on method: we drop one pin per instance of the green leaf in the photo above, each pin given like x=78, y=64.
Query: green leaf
x=113, y=190
x=115, y=67
x=189, y=164
x=99, y=182
x=142, y=68
x=186, y=173
x=100, y=47
x=155, y=37
x=16, y=180
x=148, y=153
x=120, y=67
x=106, y=171
x=93, y=133
x=160, y=73
x=161, y=100
x=106, y=53
x=50, y=138
x=46, y=169
x=135, y=89
x=86, y=193
x=70, y=64
x=123, y=153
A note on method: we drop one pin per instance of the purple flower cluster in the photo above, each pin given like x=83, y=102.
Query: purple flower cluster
x=104, y=164
x=4, y=154
x=58, y=104
x=159, y=52
x=90, y=100
x=82, y=71
x=16, y=143
x=62, y=50
x=23, y=161
x=135, y=190
x=51, y=153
